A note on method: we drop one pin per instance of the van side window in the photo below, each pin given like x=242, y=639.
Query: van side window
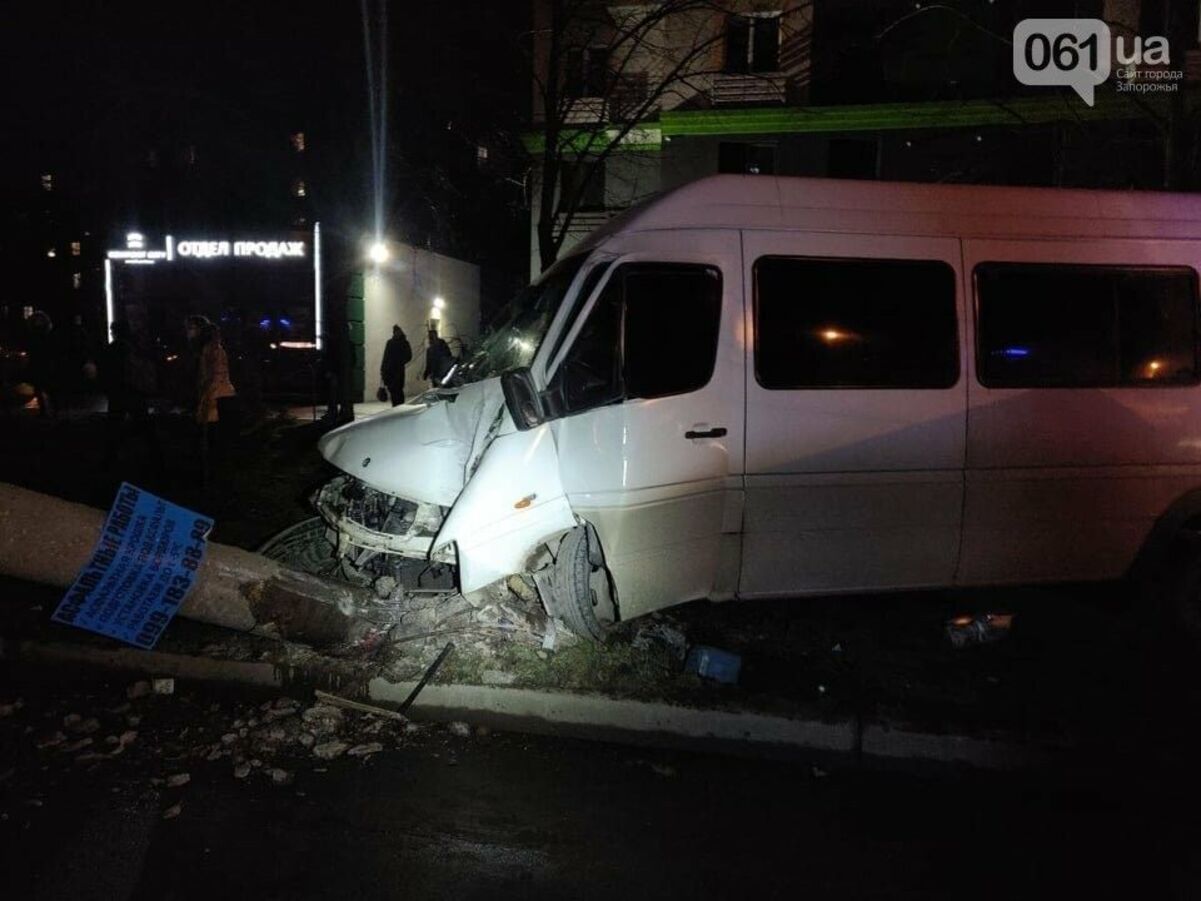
x=652, y=332
x=862, y=323
x=1056, y=325
x=673, y=313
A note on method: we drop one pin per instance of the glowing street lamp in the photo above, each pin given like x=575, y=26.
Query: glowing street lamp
x=378, y=253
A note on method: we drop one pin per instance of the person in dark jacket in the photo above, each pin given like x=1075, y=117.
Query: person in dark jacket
x=397, y=354
x=438, y=359
x=44, y=362
x=77, y=354
x=127, y=373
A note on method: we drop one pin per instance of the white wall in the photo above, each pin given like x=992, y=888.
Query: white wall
x=401, y=292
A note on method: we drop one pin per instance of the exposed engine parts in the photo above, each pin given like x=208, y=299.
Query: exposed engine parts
x=382, y=540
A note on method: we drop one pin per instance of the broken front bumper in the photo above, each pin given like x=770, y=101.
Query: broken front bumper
x=368, y=519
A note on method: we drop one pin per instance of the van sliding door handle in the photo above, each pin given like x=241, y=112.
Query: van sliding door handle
x=708, y=433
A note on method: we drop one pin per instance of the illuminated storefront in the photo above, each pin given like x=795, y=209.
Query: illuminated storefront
x=260, y=289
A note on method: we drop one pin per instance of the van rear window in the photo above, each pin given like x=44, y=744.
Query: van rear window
x=855, y=323
x=1045, y=325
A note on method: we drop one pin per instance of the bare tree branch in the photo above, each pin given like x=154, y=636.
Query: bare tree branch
x=655, y=54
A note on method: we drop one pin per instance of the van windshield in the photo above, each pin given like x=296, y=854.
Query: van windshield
x=513, y=337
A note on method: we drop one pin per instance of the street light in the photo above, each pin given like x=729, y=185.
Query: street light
x=378, y=253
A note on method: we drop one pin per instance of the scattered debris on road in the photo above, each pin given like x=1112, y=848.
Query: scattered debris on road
x=980, y=628
x=326, y=698
x=657, y=632
x=86, y=734
x=10, y=708
x=714, y=663
x=328, y=750
x=497, y=677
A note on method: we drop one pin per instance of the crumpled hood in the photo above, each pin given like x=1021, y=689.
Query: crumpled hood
x=419, y=452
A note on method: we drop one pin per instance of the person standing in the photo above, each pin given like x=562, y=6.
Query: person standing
x=438, y=359
x=77, y=354
x=397, y=354
x=44, y=361
x=214, y=391
x=128, y=375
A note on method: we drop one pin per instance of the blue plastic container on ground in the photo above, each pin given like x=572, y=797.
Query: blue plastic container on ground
x=714, y=663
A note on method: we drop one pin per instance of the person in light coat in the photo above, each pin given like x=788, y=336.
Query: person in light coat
x=214, y=391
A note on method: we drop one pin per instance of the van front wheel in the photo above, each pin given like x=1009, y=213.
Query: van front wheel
x=581, y=590
x=1180, y=588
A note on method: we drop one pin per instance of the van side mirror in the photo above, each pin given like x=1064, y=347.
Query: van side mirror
x=522, y=399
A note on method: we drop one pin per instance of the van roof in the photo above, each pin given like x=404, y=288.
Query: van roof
x=833, y=205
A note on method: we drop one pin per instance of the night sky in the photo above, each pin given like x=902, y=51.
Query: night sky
x=113, y=97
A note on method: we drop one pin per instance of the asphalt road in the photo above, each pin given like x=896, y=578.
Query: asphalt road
x=510, y=816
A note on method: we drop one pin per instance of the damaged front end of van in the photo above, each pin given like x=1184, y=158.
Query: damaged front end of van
x=437, y=483
x=459, y=489
x=445, y=494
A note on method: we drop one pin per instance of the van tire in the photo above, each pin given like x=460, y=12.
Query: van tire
x=581, y=592
x=1179, y=588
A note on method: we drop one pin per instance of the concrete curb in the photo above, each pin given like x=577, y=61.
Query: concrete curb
x=887, y=742
x=574, y=714
x=588, y=716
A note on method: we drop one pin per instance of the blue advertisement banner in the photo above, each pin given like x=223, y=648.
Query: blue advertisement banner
x=142, y=568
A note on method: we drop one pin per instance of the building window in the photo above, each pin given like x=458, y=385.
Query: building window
x=299, y=189
x=1056, y=326
x=481, y=154
x=583, y=185
x=621, y=351
x=297, y=140
x=841, y=323
x=26, y=312
x=48, y=182
x=586, y=71
x=753, y=43
x=753, y=159
x=76, y=248
x=76, y=280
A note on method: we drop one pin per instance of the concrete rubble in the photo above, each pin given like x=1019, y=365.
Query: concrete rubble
x=271, y=743
x=658, y=632
x=328, y=750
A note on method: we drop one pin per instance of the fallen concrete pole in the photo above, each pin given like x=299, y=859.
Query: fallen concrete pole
x=49, y=540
